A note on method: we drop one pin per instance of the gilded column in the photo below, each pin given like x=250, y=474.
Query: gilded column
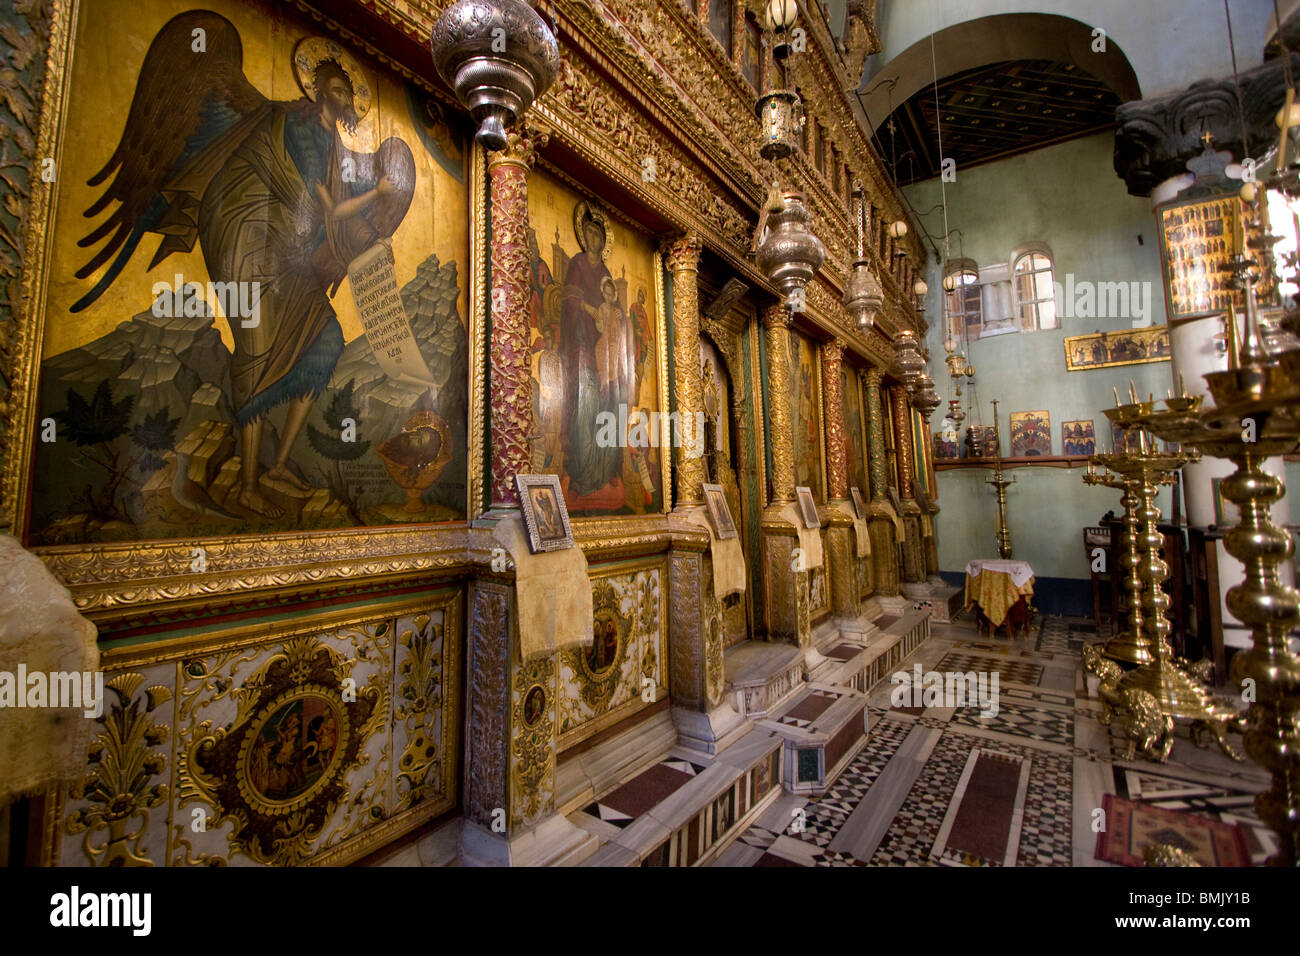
x=837, y=465
x=876, y=432
x=903, y=440
x=931, y=536
x=841, y=561
x=683, y=259
x=927, y=455
x=913, y=546
x=776, y=320
x=785, y=570
x=884, y=541
x=511, y=390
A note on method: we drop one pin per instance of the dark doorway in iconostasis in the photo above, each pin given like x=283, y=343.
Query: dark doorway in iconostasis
x=730, y=454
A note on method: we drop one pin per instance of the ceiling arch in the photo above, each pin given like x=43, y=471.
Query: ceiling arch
x=1000, y=38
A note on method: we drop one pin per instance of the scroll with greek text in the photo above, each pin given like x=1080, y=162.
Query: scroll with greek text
x=374, y=289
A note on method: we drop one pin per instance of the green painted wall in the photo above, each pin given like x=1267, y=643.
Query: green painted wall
x=1068, y=197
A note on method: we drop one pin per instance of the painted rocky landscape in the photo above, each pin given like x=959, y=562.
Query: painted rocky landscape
x=145, y=445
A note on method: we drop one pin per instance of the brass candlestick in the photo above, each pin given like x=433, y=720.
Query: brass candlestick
x=1159, y=688
x=1003, y=530
x=1256, y=416
x=1129, y=644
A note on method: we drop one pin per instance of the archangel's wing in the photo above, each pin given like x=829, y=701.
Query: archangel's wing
x=191, y=90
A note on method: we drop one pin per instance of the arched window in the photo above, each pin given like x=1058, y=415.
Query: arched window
x=1034, y=289
x=962, y=301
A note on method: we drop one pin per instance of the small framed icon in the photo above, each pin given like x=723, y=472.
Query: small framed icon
x=545, y=515
x=719, y=513
x=859, y=506
x=808, y=508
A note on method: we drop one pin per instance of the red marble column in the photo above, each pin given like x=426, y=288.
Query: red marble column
x=510, y=382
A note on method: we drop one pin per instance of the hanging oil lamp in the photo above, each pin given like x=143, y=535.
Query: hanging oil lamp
x=863, y=296
x=499, y=56
x=788, y=252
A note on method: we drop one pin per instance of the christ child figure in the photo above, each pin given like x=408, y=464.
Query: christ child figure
x=611, y=350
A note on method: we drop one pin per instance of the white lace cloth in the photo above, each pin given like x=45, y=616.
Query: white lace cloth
x=1020, y=571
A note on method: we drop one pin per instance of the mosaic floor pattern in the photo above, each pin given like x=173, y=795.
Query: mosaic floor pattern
x=945, y=786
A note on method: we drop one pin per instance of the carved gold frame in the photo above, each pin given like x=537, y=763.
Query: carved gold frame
x=568, y=739
x=248, y=635
x=108, y=579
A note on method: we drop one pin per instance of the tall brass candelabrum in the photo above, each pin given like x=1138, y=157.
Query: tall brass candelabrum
x=1003, y=530
x=1130, y=642
x=1158, y=688
x=1256, y=416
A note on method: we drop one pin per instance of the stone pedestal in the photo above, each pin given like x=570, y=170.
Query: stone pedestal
x=705, y=721
x=842, y=564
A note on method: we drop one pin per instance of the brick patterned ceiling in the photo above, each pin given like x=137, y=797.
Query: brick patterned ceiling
x=993, y=112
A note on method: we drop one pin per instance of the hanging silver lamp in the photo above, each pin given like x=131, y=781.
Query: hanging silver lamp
x=926, y=399
x=788, y=252
x=863, y=297
x=908, y=358
x=499, y=56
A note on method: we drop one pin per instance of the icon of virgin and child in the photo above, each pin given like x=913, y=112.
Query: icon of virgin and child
x=590, y=350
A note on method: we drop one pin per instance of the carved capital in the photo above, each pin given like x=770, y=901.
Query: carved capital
x=521, y=148
x=1154, y=138
x=683, y=253
x=777, y=316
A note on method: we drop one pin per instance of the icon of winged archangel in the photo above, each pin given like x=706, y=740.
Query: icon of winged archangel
x=272, y=195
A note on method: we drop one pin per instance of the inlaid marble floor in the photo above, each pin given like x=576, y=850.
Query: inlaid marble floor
x=947, y=786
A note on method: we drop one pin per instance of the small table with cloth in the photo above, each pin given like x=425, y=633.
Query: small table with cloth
x=1001, y=591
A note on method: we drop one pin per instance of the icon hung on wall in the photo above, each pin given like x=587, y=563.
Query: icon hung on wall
x=1078, y=438
x=719, y=514
x=1031, y=434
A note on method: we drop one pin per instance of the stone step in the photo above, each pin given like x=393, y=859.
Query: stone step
x=761, y=675
x=686, y=809
x=580, y=777
x=823, y=727
x=861, y=663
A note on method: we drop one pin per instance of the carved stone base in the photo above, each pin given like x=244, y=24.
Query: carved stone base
x=942, y=599
x=712, y=732
x=761, y=675
x=884, y=553
x=552, y=842
x=817, y=751
x=786, y=597
x=894, y=604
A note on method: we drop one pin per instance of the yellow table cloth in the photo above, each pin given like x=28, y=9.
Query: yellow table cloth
x=997, y=585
